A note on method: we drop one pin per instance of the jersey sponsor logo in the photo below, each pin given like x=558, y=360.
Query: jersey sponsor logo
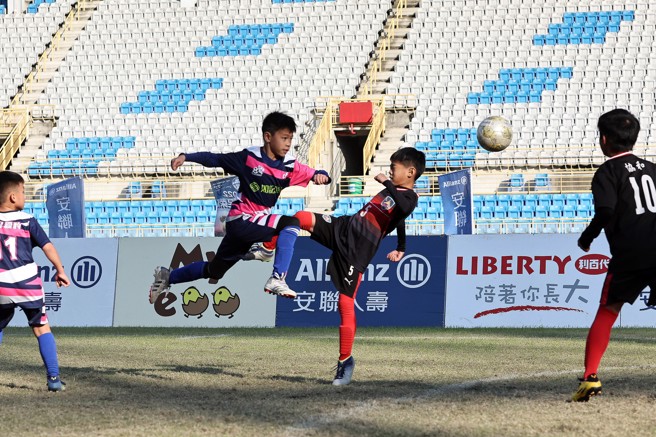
x=327, y=218
x=387, y=203
x=258, y=171
x=592, y=264
x=266, y=189
x=413, y=271
x=270, y=189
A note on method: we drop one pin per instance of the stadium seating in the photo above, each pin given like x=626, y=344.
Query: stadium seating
x=533, y=64
x=19, y=54
x=142, y=217
x=147, y=80
x=117, y=80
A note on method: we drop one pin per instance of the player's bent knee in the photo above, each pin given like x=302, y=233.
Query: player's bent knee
x=306, y=219
x=214, y=271
x=286, y=221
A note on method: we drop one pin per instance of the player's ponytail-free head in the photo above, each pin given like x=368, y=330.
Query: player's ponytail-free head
x=9, y=181
x=275, y=121
x=410, y=157
x=620, y=129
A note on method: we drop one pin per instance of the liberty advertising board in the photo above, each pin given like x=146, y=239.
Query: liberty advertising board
x=530, y=280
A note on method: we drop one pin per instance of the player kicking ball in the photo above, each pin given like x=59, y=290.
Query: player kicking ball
x=355, y=239
x=263, y=173
x=624, y=191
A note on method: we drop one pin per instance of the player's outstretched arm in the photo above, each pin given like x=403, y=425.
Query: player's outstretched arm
x=51, y=253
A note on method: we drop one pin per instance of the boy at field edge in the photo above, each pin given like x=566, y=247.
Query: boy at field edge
x=355, y=239
x=263, y=173
x=20, y=283
x=624, y=194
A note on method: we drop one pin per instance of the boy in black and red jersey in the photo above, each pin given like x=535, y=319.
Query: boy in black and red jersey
x=624, y=190
x=355, y=239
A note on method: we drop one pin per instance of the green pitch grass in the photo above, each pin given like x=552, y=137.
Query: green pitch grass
x=276, y=382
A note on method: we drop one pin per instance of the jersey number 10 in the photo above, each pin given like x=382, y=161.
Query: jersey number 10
x=650, y=193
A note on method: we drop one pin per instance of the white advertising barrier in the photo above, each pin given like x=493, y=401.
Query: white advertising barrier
x=237, y=300
x=522, y=280
x=91, y=266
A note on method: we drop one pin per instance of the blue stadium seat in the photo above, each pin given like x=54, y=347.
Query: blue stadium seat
x=140, y=217
x=556, y=211
x=490, y=200
x=196, y=205
x=503, y=200
x=586, y=199
x=572, y=199
x=584, y=211
x=486, y=213
x=529, y=211
x=569, y=211
x=558, y=200
x=103, y=218
x=500, y=211
x=544, y=200
x=91, y=217
x=478, y=202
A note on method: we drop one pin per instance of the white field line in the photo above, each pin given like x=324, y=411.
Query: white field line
x=362, y=408
x=194, y=337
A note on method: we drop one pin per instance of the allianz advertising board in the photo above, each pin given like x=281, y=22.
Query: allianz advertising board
x=407, y=293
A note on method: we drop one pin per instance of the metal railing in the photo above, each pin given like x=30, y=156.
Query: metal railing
x=322, y=136
x=496, y=183
x=330, y=122
x=17, y=123
x=384, y=46
x=376, y=132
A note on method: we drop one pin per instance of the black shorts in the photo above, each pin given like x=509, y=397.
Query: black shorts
x=343, y=274
x=34, y=311
x=627, y=286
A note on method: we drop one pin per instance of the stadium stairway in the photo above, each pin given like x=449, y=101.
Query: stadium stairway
x=44, y=118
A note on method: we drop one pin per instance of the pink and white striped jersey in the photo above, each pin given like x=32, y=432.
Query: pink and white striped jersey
x=19, y=275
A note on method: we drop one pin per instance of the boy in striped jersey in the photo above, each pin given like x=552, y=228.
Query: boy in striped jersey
x=263, y=173
x=20, y=283
x=354, y=241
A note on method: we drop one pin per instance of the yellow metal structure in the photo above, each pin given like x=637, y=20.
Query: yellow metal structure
x=384, y=46
x=330, y=122
x=14, y=126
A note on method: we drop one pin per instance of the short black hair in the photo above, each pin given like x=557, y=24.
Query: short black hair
x=276, y=121
x=410, y=157
x=9, y=180
x=621, y=129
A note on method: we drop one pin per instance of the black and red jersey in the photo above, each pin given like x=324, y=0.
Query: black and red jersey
x=359, y=235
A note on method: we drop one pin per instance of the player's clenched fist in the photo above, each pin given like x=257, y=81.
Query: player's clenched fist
x=178, y=161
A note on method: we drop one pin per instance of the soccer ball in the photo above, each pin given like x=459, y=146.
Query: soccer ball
x=494, y=134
